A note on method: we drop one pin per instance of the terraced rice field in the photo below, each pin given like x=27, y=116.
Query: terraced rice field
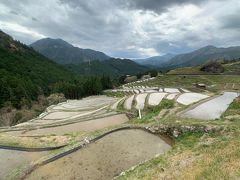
x=80, y=115
x=106, y=158
x=75, y=116
x=71, y=111
x=156, y=94
x=116, y=152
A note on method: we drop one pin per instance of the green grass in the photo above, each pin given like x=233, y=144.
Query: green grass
x=113, y=94
x=234, y=108
x=150, y=112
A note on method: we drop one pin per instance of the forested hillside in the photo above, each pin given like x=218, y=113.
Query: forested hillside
x=25, y=74
x=113, y=67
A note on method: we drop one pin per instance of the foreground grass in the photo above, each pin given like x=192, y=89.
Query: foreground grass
x=33, y=142
x=194, y=156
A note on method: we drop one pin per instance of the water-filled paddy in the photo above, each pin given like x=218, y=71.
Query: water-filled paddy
x=212, y=109
x=189, y=98
x=128, y=102
x=140, y=100
x=105, y=158
x=156, y=98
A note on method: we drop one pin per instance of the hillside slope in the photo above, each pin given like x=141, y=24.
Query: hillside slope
x=64, y=53
x=24, y=73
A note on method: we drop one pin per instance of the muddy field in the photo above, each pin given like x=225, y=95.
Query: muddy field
x=85, y=126
x=105, y=158
x=12, y=161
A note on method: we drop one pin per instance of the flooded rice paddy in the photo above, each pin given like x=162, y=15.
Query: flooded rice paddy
x=106, y=158
x=212, y=109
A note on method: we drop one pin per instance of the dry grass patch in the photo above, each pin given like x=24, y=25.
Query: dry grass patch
x=33, y=142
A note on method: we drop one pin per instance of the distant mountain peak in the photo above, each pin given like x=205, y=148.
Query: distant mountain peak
x=155, y=61
x=209, y=47
x=63, y=52
x=49, y=42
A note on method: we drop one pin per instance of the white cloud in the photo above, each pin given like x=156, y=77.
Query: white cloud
x=115, y=28
x=14, y=27
x=148, y=52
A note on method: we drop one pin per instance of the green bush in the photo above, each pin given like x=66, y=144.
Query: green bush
x=166, y=104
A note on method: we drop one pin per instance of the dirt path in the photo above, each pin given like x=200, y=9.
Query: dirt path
x=105, y=158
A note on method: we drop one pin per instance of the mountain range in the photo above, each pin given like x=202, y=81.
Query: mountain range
x=202, y=56
x=155, y=61
x=64, y=53
x=85, y=61
x=197, y=57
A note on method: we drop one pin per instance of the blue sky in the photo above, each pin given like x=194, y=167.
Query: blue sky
x=125, y=28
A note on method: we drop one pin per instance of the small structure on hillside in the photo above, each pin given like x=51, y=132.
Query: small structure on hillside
x=129, y=79
x=201, y=85
x=146, y=76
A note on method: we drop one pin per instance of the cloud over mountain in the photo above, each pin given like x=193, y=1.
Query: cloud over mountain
x=125, y=28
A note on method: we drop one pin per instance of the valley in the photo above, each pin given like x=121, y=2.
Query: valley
x=119, y=90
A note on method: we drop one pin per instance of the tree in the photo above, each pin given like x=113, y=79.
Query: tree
x=153, y=73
